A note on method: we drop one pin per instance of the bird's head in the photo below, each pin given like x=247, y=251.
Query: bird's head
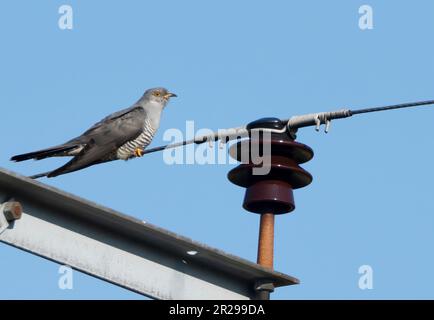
x=157, y=96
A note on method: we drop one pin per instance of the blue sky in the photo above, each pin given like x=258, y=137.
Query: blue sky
x=231, y=62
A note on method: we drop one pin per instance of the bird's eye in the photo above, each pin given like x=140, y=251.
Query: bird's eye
x=157, y=93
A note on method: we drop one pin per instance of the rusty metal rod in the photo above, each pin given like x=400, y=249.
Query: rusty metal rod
x=266, y=240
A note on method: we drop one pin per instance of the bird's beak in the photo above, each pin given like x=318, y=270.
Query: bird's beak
x=169, y=95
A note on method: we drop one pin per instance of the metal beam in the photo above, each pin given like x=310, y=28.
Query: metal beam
x=123, y=250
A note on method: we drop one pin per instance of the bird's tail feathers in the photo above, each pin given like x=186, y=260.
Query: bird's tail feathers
x=45, y=153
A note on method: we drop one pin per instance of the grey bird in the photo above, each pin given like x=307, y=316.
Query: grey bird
x=120, y=136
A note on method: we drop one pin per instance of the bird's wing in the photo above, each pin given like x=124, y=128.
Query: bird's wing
x=112, y=117
x=104, y=138
x=84, y=138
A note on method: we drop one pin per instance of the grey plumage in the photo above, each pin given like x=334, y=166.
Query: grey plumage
x=117, y=136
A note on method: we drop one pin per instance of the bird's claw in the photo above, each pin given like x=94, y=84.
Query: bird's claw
x=138, y=152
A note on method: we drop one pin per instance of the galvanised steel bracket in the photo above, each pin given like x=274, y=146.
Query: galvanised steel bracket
x=121, y=249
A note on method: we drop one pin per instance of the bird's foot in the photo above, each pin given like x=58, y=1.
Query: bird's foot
x=138, y=152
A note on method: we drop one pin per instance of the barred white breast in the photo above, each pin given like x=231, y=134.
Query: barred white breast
x=126, y=151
